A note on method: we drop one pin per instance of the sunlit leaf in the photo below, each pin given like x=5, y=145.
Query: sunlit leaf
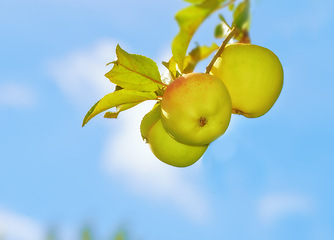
x=222, y=29
x=172, y=67
x=194, y=1
x=134, y=72
x=231, y=6
x=118, y=98
x=241, y=16
x=119, y=109
x=149, y=120
x=189, y=19
x=198, y=54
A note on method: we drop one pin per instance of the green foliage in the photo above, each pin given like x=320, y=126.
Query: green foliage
x=241, y=20
x=241, y=16
x=196, y=55
x=118, y=99
x=86, y=234
x=134, y=72
x=189, y=19
x=137, y=77
x=222, y=29
x=173, y=68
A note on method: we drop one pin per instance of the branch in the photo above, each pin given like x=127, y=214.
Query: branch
x=221, y=49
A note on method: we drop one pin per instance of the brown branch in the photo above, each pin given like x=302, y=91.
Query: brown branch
x=221, y=49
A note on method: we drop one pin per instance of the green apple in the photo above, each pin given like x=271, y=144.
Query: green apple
x=169, y=151
x=196, y=109
x=253, y=76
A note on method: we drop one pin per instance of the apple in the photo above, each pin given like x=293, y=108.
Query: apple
x=253, y=75
x=171, y=152
x=196, y=109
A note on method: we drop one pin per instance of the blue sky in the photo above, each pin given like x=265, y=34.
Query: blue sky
x=266, y=178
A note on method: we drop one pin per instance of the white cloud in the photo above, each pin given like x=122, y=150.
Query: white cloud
x=17, y=227
x=274, y=206
x=16, y=95
x=80, y=74
x=126, y=158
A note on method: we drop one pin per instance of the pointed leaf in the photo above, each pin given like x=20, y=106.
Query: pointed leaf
x=189, y=19
x=149, y=120
x=222, y=29
x=134, y=72
x=119, y=109
x=118, y=98
x=172, y=67
x=241, y=16
x=198, y=54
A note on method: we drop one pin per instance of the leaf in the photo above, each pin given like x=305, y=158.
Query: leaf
x=189, y=19
x=241, y=16
x=172, y=67
x=198, y=54
x=222, y=29
x=86, y=234
x=135, y=72
x=118, y=98
x=149, y=120
x=231, y=6
x=194, y=1
x=119, y=109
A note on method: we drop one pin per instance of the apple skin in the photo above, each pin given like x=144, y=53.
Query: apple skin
x=171, y=152
x=253, y=76
x=196, y=109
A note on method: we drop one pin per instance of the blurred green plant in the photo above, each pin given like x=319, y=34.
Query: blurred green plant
x=86, y=233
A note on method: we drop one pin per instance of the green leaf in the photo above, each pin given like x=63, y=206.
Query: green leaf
x=119, y=109
x=241, y=16
x=172, y=67
x=117, y=98
x=86, y=234
x=194, y=1
x=198, y=54
x=222, y=29
x=149, y=120
x=189, y=19
x=231, y=6
x=135, y=72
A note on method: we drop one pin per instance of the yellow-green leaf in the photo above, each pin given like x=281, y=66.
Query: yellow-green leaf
x=241, y=16
x=196, y=55
x=189, y=19
x=135, y=72
x=194, y=1
x=222, y=29
x=149, y=120
x=120, y=108
x=118, y=98
x=172, y=67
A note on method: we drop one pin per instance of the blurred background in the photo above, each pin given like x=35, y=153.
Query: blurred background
x=269, y=178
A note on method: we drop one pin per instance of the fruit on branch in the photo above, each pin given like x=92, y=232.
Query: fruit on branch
x=169, y=151
x=196, y=109
x=253, y=76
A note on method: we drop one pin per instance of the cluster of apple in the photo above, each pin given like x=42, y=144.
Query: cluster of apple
x=196, y=108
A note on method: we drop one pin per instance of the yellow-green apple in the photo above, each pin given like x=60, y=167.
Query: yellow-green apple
x=169, y=151
x=196, y=108
x=253, y=76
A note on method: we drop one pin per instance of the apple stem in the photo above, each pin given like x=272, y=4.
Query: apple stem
x=221, y=49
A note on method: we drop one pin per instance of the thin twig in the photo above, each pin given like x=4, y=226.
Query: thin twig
x=221, y=49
